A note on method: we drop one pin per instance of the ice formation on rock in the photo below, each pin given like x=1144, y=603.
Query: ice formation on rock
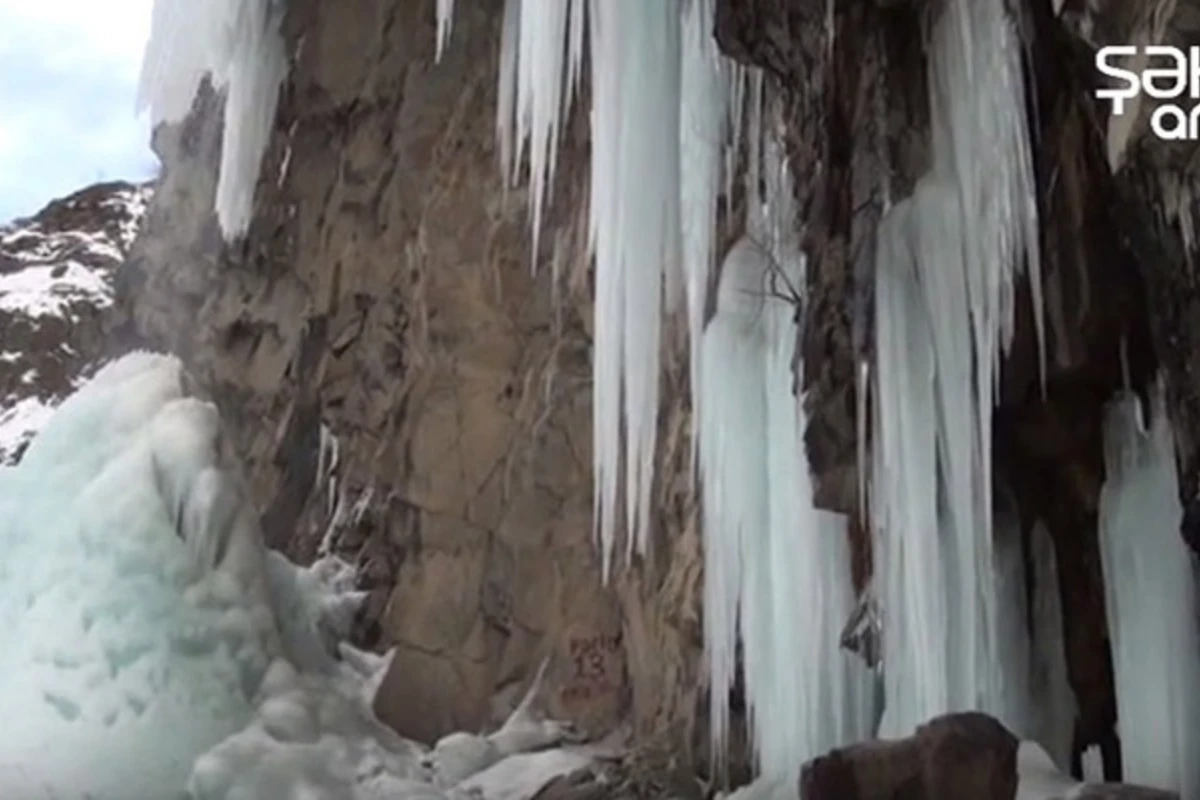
x=667, y=130
x=445, y=24
x=635, y=236
x=1150, y=584
x=949, y=258
x=238, y=45
x=660, y=95
x=540, y=65
x=776, y=568
x=1053, y=721
x=706, y=97
x=149, y=643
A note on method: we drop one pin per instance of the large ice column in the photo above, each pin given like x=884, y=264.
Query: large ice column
x=776, y=568
x=950, y=257
x=238, y=44
x=133, y=609
x=811, y=696
x=732, y=433
x=1151, y=600
x=905, y=489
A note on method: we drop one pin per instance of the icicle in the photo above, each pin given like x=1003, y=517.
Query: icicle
x=965, y=509
x=702, y=121
x=445, y=23
x=739, y=80
x=1151, y=600
x=238, y=44
x=540, y=52
x=506, y=89
x=635, y=236
x=649, y=112
x=1013, y=704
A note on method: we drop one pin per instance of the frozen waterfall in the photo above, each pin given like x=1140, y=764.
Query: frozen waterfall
x=948, y=261
x=950, y=257
x=671, y=117
x=1151, y=598
x=777, y=568
x=149, y=644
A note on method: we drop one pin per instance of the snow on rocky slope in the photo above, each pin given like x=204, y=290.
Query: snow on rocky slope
x=56, y=281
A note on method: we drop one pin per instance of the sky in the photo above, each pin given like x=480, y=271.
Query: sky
x=68, y=88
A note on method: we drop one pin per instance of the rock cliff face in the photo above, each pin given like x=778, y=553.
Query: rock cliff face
x=410, y=384
x=405, y=389
x=57, y=274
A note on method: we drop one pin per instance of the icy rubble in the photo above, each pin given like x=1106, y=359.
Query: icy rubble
x=150, y=642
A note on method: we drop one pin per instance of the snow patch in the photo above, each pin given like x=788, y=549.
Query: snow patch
x=49, y=271
x=19, y=423
x=51, y=290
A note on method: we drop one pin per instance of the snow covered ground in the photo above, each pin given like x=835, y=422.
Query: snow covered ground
x=151, y=648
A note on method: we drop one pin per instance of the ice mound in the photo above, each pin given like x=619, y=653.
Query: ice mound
x=122, y=657
x=152, y=649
